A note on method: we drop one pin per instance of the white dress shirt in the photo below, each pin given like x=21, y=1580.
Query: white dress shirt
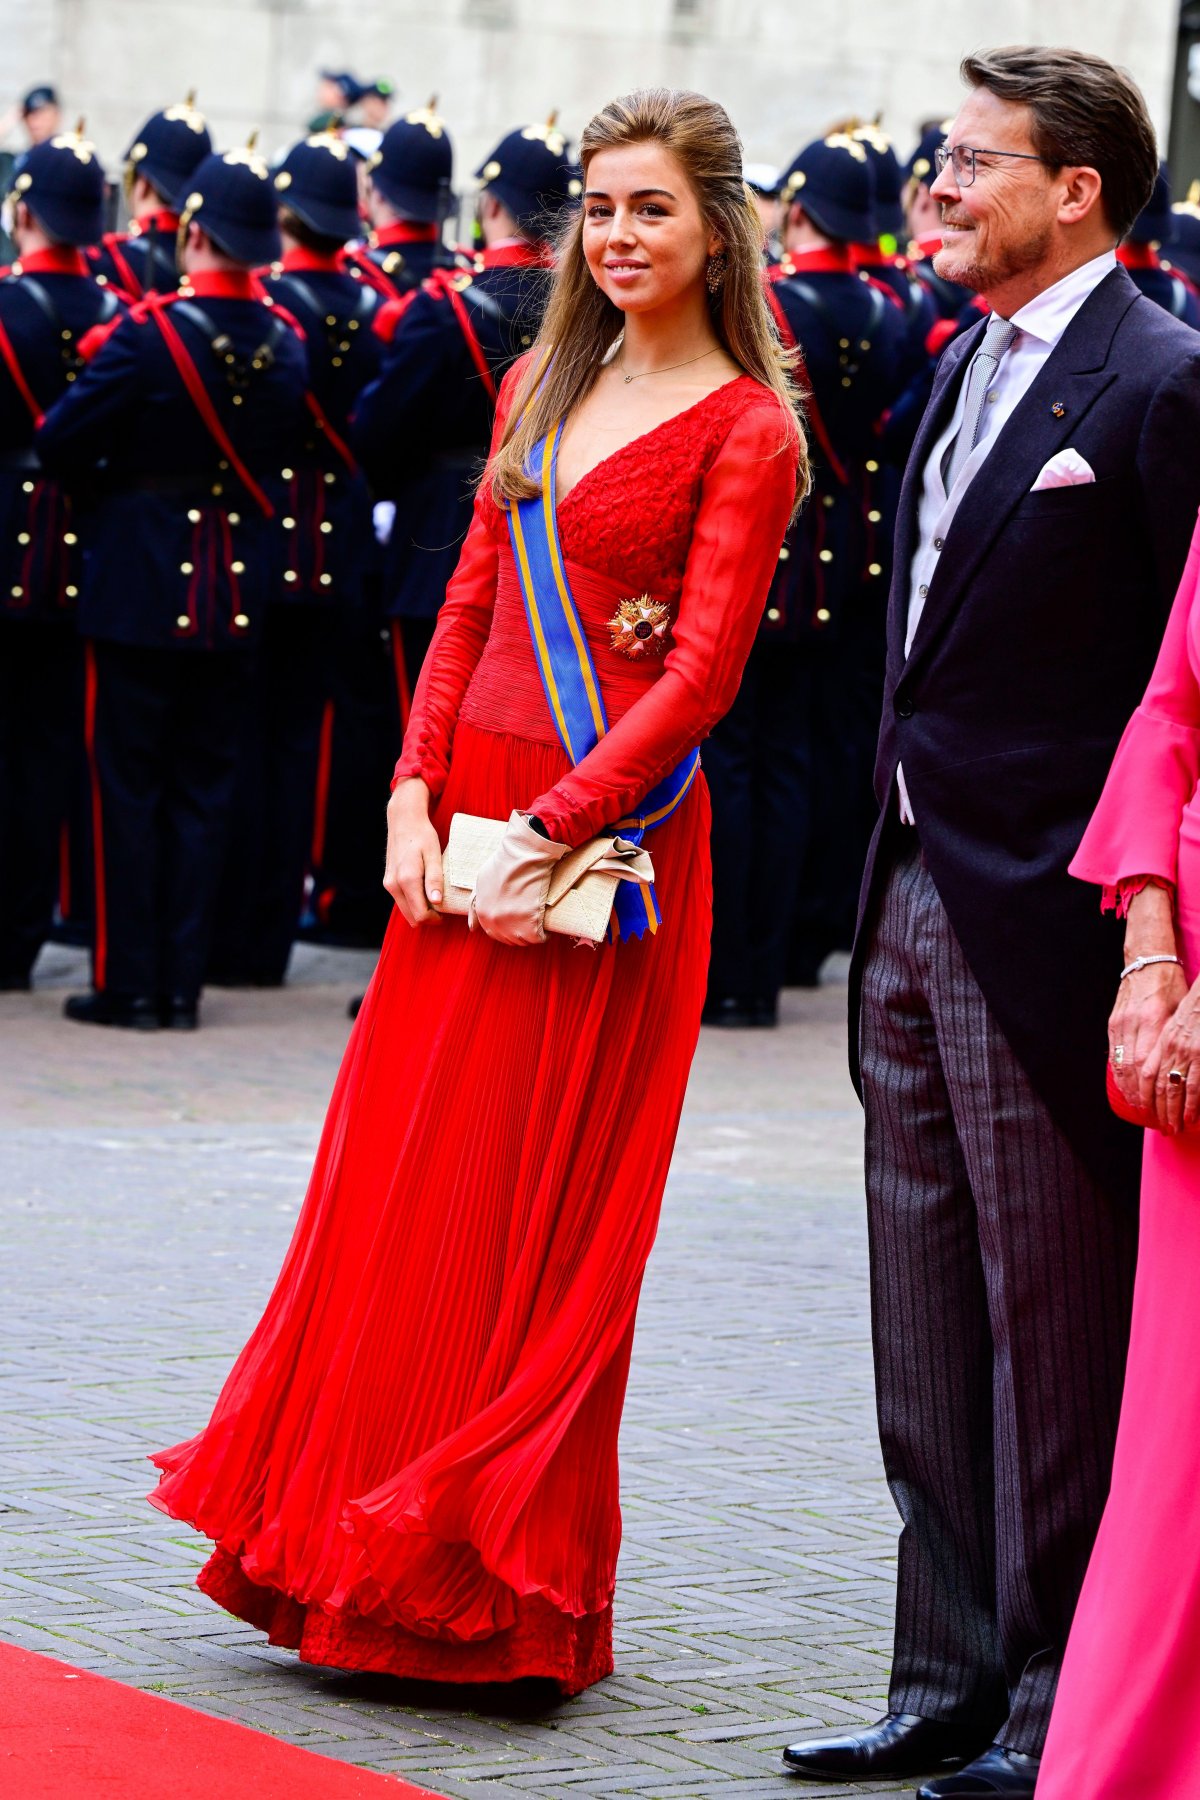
x=1040, y=324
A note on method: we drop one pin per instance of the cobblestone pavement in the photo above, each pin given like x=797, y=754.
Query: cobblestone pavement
x=148, y=1186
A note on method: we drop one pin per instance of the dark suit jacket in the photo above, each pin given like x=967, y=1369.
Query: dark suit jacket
x=1037, y=639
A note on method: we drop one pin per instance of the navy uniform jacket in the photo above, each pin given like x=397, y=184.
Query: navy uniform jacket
x=47, y=305
x=179, y=554
x=853, y=341
x=422, y=429
x=141, y=260
x=399, y=258
x=910, y=294
x=325, y=522
x=1038, y=636
x=1166, y=287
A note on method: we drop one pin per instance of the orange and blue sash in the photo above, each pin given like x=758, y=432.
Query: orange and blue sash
x=569, y=674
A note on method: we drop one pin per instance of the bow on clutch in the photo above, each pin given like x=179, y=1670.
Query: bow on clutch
x=525, y=886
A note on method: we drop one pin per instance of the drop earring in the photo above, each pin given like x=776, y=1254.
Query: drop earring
x=714, y=274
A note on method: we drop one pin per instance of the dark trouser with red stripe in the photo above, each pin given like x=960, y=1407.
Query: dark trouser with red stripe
x=165, y=731
x=39, y=724
x=759, y=767
x=411, y=639
x=262, y=891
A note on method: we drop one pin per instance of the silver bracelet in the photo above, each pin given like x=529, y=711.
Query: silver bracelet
x=1143, y=962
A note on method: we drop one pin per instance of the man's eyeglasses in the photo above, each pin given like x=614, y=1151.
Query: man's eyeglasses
x=963, y=158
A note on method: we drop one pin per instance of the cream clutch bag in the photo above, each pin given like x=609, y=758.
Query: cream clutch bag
x=583, y=885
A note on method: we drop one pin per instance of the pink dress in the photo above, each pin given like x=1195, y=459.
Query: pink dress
x=1126, y=1721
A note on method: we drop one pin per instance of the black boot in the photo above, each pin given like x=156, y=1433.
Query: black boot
x=179, y=1012
x=900, y=1744
x=132, y=1012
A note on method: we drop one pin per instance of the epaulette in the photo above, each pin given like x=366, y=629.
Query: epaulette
x=387, y=318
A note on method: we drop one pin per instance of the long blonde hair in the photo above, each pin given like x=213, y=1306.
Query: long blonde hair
x=581, y=323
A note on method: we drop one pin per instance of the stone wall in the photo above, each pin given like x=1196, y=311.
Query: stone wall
x=785, y=68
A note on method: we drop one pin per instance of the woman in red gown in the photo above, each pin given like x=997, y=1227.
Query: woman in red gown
x=412, y=1467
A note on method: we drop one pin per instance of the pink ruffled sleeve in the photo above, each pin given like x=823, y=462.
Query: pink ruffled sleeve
x=745, y=501
x=1134, y=831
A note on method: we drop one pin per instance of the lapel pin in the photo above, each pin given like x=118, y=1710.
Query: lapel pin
x=1059, y=410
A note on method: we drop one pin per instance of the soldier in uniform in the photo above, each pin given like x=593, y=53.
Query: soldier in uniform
x=880, y=258
x=923, y=216
x=183, y=420
x=1185, y=235
x=1141, y=252
x=318, y=611
x=48, y=304
x=789, y=768
x=408, y=201
x=423, y=428
x=159, y=164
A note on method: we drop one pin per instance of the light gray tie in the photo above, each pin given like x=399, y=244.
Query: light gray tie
x=986, y=360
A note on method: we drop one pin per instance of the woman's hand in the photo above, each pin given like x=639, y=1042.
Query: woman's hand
x=1177, y=1103
x=1147, y=1000
x=1146, y=1003
x=413, y=871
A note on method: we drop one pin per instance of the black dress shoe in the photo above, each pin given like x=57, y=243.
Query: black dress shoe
x=998, y=1772
x=179, y=1013
x=728, y=1012
x=900, y=1744
x=131, y=1012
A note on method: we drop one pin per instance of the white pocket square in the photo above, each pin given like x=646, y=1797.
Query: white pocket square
x=1067, y=469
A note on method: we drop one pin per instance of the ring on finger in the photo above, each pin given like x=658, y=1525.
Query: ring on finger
x=1176, y=1077
x=1118, y=1054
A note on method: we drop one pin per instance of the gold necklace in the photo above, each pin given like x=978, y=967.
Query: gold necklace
x=642, y=374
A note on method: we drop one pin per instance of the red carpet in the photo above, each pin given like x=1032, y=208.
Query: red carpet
x=66, y=1735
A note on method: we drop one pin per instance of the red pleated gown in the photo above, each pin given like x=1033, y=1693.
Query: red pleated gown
x=412, y=1466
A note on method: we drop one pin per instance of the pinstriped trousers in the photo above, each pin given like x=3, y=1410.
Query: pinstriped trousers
x=1001, y=1286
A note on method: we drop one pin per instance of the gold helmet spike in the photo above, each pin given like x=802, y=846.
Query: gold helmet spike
x=252, y=140
x=81, y=126
x=552, y=121
x=432, y=107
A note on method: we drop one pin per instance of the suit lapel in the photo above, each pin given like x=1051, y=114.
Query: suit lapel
x=1049, y=414
x=938, y=411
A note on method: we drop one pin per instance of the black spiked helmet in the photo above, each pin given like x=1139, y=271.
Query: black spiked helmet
x=167, y=150
x=233, y=199
x=317, y=180
x=62, y=184
x=414, y=166
x=531, y=173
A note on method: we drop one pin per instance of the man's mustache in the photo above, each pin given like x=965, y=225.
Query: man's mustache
x=959, y=224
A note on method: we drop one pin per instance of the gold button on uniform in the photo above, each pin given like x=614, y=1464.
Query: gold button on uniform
x=824, y=615
x=185, y=568
x=784, y=553
x=239, y=568
x=326, y=527
x=875, y=569
x=773, y=614
x=241, y=621
x=826, y=555
x=22, y=537
x=874, y=517
x=289, y=524
x=289, y=574
x=69, y=537
x=72, y=593
x=193, y=515
x=326, y=580
x=183, y=621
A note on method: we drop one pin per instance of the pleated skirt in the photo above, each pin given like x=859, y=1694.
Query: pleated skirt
x=412, y=1467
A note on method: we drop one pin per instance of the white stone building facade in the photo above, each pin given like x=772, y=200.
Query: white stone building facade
x=785, y=68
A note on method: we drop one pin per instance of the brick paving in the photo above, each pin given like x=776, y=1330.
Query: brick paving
x=148, y=1186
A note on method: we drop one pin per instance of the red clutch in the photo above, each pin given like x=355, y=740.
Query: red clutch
x=1132, y=1112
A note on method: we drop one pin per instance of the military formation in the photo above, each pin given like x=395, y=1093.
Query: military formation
x=240, y=439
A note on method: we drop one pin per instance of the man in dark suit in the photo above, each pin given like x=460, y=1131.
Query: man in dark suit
x=1027, y=604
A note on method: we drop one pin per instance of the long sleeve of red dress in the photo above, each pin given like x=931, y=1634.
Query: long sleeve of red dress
x=746, y=494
